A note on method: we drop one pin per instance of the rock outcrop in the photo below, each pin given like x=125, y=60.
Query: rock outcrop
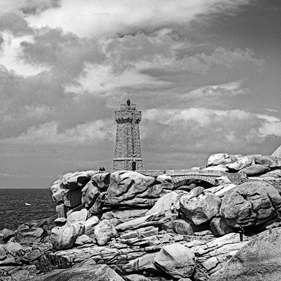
x=194, y=225
x=200, y=209
x=258, y=260
x=251, y=203
x=176, y=260
x=97, y=272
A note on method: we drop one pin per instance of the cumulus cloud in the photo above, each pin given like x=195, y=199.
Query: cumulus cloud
x=202, y=129
x=99, y=78
x=145, y=61
x=271, y=126
x=96, y=18
x=202, y=62
x=15, y=24
x=11, y=55
x=28, y=6
x=99, y=130
x=223, y=90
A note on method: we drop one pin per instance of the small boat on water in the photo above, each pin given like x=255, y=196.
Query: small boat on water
x=27, y=204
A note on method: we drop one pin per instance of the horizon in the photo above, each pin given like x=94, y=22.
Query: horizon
x=204, y=73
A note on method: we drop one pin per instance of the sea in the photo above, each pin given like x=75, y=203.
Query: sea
x=18, y=206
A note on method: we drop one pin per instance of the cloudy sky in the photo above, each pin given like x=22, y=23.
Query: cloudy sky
x=206, y=75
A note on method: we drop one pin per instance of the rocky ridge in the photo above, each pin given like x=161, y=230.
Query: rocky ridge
x=150, y=225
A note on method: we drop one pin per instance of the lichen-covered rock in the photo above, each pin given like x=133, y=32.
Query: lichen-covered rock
x=97, y=272
x=200, y=209
x=104, y=231
x=258, y=260
x=176, y=260
x=251, y=203
x=129, y=188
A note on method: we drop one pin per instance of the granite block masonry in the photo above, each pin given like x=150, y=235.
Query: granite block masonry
x=127, y=146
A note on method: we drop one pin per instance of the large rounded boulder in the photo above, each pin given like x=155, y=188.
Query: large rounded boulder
x=251, y=203
x=220, y=159
x=201, y=208
x=129, y=188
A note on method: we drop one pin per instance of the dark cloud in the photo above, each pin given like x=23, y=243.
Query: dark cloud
x=33, y=7
x=64, y=53
x=15, y=24
x=28, y=102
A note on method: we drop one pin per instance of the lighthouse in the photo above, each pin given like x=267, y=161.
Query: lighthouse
x=127, y=154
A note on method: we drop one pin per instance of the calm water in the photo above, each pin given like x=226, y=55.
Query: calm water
x=13, y=210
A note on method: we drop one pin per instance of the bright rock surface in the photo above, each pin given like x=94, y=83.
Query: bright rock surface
x=78, y=216
x=219, y=159
x=200, y=209
x=64, y=237
x=104, y=231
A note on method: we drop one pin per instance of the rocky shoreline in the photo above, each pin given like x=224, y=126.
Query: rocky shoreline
x=216, y=223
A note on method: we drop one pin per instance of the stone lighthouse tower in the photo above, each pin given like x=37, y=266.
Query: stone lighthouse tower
x=127, y=146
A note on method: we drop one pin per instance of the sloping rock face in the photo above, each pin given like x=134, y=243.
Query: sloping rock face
x=176, y=260
x=97, y=272
x=277, y=152
x=251, y=203
x=258, y=260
